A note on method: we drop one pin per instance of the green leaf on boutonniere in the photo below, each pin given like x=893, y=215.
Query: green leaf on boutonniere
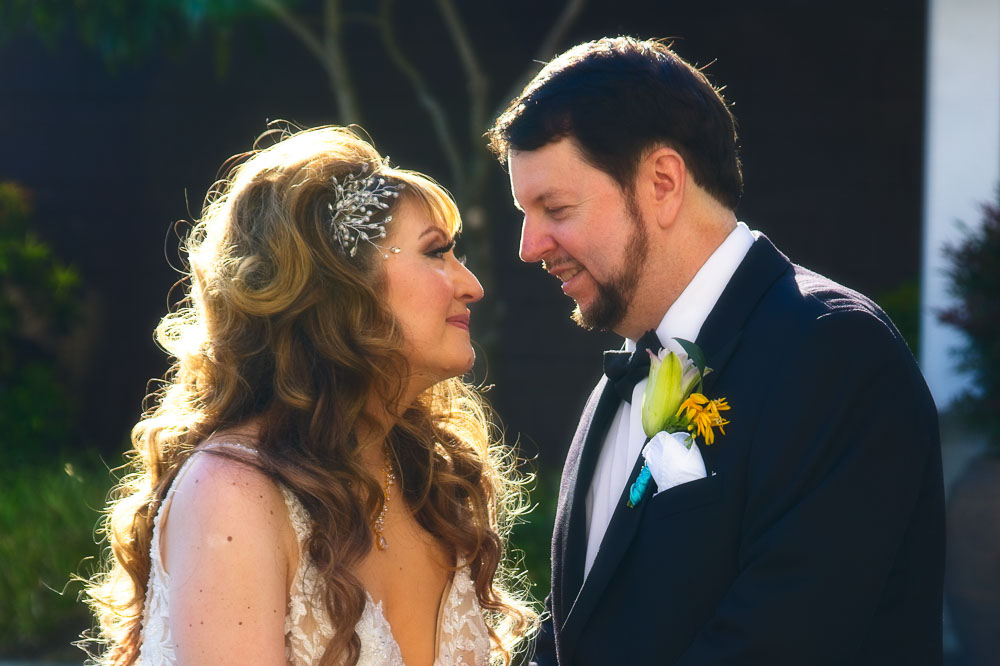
x=694, y=353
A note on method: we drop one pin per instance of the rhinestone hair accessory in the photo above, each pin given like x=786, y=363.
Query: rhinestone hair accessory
x=357, y=198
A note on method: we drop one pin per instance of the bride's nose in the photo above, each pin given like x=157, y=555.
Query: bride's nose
x=467, y=287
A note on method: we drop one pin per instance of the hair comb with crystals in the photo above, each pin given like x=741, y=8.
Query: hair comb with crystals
x=357, y=197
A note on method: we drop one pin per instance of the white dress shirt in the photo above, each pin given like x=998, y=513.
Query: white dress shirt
x=625, y=437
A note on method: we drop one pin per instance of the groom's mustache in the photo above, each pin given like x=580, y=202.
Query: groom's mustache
x=562, y=268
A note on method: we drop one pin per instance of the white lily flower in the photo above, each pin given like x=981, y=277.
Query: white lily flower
x=672, y=377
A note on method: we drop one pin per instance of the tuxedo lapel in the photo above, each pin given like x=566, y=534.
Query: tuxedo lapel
x=570, y=533
x=720, y=333
x=617, y=539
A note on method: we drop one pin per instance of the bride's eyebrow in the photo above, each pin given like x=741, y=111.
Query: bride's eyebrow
x=434, y=229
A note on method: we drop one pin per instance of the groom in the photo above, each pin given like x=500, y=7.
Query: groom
x=812, y=532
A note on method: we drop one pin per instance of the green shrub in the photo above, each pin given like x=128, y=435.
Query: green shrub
x=533, y=535
x=975, y=283
x=48, y=514
x=39, y=307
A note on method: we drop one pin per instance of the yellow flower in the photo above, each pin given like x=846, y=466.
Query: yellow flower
x=702, y=415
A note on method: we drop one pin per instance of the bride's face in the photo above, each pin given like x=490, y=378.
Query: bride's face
x=429, y=291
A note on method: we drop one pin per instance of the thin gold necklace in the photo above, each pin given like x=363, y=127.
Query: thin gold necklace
x=379, y=526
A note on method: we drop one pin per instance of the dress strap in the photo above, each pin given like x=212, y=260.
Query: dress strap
x=246, y=450
x=226, y=445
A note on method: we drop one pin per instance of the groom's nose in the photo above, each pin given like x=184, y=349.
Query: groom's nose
x=536, y=243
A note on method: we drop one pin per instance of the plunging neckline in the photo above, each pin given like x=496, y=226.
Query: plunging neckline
x=378, y=609
x=461, y=635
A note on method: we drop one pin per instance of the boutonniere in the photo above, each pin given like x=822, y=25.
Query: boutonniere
x=675, y=413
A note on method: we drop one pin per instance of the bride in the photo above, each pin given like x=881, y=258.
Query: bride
x=314, y=483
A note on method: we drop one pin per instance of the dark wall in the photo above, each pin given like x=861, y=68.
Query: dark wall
x=828, y=98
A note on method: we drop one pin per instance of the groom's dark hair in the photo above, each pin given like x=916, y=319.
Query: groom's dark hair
x=619, y=97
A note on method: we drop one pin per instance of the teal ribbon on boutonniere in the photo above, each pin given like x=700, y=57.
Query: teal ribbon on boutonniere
x=638, y=489
x=673, y=403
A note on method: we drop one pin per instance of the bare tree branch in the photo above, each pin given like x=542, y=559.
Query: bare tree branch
x=327, y=51
x=571, y=11
x=559, y=29
x=431, y=104
x=296, y=26
x=478, y=82
x=340, y=72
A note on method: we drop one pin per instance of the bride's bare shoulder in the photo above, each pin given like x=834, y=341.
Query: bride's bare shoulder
x=221, y=470
x=224, y=506
x=230, y=553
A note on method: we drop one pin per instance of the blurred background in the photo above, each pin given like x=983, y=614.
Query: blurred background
x=869, y=129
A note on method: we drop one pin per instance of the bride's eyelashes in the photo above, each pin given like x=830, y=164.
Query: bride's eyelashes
x=439, y=251
x=459, y=257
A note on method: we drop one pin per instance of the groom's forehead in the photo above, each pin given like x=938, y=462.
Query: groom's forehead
x=545, y=171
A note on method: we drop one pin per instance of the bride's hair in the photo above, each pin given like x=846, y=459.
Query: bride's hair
x=279, y=325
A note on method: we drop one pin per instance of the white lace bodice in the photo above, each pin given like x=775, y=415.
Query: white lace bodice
x=462, y=637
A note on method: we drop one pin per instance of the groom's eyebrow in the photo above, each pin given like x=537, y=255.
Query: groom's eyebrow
x=554, y=193
x=540, y=198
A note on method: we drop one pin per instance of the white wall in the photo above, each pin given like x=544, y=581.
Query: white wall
x=962, y=161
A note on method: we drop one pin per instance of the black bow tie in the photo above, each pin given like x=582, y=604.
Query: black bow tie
x=625, y=370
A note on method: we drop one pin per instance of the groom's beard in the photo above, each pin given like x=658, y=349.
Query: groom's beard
x=615, y=295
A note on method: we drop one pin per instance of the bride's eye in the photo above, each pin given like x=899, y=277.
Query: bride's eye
x=441, y=250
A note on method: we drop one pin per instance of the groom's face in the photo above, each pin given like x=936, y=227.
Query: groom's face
x=586, y=232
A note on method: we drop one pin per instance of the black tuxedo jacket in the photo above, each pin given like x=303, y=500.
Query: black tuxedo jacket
x=818, y=536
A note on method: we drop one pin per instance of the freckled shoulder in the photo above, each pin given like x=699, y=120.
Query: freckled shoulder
x=230, y=558
x=219, y=500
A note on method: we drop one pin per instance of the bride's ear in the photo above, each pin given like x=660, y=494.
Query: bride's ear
x=661, y=182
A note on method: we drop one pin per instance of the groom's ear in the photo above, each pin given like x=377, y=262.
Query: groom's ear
x=662, y=179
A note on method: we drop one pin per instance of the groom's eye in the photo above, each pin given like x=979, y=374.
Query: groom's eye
x=557, y=212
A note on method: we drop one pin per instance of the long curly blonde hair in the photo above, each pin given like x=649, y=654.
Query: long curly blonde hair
x=279, y=326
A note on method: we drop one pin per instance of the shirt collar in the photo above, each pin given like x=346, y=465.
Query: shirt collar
x=688, y=313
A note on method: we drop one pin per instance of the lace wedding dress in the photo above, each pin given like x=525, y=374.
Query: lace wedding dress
x=461, y=631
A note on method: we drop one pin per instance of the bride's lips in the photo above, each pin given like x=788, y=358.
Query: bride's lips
x=461, y=321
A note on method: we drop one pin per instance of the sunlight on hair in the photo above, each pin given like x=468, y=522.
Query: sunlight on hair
x=279, y=326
